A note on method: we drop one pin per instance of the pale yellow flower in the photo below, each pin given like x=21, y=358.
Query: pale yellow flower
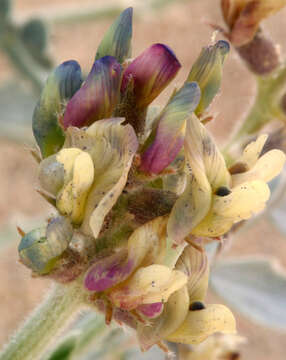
x=186, y=318
x=88, y=175
x=214, y=199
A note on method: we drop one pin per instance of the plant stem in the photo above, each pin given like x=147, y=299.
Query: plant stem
x=266, y=107
x=21, y=59
x=44, y=324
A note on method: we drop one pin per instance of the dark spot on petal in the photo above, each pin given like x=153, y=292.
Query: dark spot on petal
x=196, y=305
x=234, y=356
x=238, y=168
x=223, y=191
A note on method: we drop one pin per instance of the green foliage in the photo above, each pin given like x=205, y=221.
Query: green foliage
x=34, y=35
x=5, y=9
x=65, y=349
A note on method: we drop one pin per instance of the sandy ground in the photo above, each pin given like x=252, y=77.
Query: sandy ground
x=183, y=27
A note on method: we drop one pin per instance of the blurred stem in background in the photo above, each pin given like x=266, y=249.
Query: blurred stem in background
x=267, y=106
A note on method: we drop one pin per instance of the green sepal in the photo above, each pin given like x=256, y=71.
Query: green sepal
x=65, y=348
x=61, y=85
x=117, y=40
x=40, y=248
x=33, y=252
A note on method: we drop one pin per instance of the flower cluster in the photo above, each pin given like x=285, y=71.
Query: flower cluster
x=133, y=187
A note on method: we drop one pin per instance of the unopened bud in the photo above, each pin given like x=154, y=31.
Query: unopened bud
x=260, y=54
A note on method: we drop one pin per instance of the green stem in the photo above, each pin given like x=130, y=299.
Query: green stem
x=21, y=59
x=44, y=324
x=265, y=108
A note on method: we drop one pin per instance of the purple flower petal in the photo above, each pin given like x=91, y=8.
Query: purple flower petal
x=151, y=72
x=171, y=129
x=108, y=272
x=151, y=310
x=97, y=97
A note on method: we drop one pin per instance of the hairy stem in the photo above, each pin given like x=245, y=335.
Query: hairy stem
x=267, y=106
x=44, y=324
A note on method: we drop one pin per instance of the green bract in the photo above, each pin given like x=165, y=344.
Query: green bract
x=40, y=248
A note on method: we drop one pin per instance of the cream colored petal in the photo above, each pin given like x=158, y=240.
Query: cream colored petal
x=65, y=199
x=83, y=175
x=78, y=177
x=67, y=158
x=206, y=171
x=203, y=156
x=147, y=244
x=215, y=347
x=213, y=225
x=174, y=313
x=56, y=170
x=189, y=210
x=151, y=284
x=200, y=324
x=194, y=264
x=112, y=157
x=265, y=169
x=244, y=201
x=252, y=151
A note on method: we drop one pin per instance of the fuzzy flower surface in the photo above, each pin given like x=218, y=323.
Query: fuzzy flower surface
x=131, y=187
x=244, y=16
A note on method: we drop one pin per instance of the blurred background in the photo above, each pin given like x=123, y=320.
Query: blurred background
x=53, y=31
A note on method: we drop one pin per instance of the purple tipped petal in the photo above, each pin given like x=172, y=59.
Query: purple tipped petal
x=61, y=85
x=151, y=72
x=171, y=129
x=97, y=97
x=108, y=272
x=151, y=310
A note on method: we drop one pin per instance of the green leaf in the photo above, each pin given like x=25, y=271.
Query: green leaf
x=65, y=349
x=255, y=286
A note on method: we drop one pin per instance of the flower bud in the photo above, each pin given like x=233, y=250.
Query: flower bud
x=97, y=97
x=207, y=72
x=117, y=39
x=62, y=83
x=260, y=54
x=170, y=131
x=40, y=248
x=244, y=16
x=150, y=73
